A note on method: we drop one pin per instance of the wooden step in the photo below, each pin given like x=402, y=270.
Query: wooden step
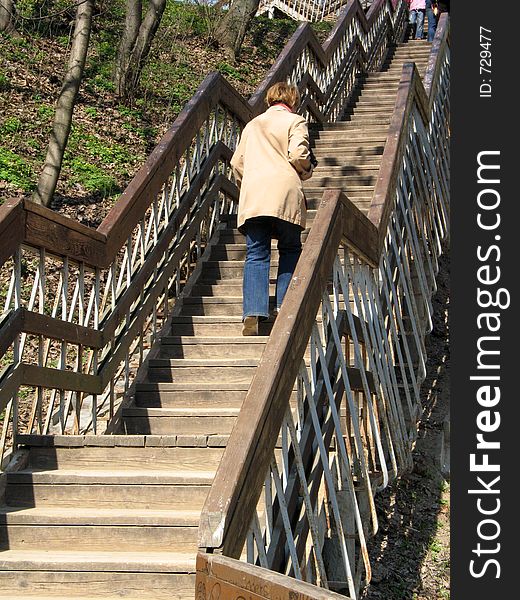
x=353, y=138
x=183, y=370
x=344, y=182
x=343, y=153
x=357, y=130
x=365, y=119
x=367, y=160
x=210, y=305
x=353, y=190
x=103, y=488
x=96, y=575
x=383, y=86
x=119, y=458
x=89, y=529
x=347, y=169
x=168, y=395
x=159, y=421
x=224, y=289
x=212, y=347
x=216, y=325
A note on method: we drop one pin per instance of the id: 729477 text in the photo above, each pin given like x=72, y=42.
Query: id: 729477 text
x=485, y=63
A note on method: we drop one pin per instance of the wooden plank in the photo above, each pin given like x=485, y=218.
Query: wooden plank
x=222, y=577
x=38, y=324
x=382, y=202
x=120, y=457
x=61, y=380
x=12, y=227
x=359, y=231
x=10, y=384
x=99, y=583
x=438, y=48
x=63, y=236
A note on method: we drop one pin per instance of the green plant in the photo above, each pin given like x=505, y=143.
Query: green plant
x=16, y=170
x=92, y=178
x=91, y=111
x=45, y=111
x=103, y=83
x=4, y=82
x=126, y=111
x=435, y=546
x=10, y=125
x=107, y=154
x=229, y=70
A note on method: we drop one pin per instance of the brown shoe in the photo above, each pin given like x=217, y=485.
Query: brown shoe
x=250, y=326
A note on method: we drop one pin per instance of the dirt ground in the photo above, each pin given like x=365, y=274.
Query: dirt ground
x=410, y=555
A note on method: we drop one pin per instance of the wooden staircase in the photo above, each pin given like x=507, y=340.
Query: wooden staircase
x=117, y=516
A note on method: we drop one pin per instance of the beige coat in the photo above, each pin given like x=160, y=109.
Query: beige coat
x=269, y=165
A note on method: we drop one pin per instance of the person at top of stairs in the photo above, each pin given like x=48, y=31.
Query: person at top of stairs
x=271, y=161
x=418, y=10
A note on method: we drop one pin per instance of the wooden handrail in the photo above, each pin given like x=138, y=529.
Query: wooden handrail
x=236, y=482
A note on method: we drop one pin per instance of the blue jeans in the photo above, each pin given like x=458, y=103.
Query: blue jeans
x=259, y=232
x=417, y=18
x=432, y=21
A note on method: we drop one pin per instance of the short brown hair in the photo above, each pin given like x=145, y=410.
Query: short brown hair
x=283, y=92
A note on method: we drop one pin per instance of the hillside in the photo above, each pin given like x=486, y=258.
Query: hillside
x=109, y=141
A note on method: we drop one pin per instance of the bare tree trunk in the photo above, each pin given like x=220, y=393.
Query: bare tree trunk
x=65, y=107
x=133, y=19
x=7, y=12
x=232, y=29
x=135, y=44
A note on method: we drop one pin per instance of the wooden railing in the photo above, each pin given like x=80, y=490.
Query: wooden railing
x=331, y=414
x=84, y=307
x=303, y=10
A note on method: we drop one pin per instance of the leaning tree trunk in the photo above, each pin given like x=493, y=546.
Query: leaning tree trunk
x=135, y=44
x=232, y=29
x=133, y=19
x=7, y=15
x=65, y=107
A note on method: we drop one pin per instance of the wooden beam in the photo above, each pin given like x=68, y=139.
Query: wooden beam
x=223, y=577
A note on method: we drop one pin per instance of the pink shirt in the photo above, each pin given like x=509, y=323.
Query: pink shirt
x=418, y=5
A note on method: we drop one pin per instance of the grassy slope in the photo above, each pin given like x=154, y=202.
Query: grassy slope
x=110, y=141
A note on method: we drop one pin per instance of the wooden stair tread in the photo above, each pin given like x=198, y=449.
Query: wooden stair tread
x=40, y=560
x=349, y=154
x=181, y=412
x=185, y=339
x=194, y=362
x=98, y=516
x=191, y=386
x=108, y=476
